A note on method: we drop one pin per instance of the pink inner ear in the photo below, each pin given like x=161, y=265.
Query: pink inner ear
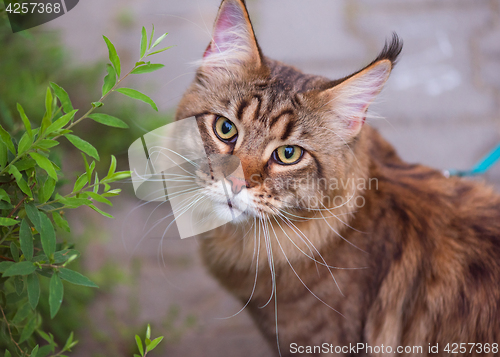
x=228, y=29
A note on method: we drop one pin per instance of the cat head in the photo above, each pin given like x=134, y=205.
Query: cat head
x=293, y=133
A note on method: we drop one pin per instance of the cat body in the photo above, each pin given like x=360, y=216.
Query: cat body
x=404, y=258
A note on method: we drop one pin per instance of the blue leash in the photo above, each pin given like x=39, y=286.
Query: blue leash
x=481, y=167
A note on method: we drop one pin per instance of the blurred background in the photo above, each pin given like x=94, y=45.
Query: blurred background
x=441, y=107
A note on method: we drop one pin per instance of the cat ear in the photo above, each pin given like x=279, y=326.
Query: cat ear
x=233, y=40
x=350, y=99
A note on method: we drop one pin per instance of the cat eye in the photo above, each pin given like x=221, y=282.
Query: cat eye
x=225, y=129
x=288, y=154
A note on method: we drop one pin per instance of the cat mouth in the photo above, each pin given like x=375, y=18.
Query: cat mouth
x=230, y=211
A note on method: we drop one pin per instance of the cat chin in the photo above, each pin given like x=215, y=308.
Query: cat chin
x=231, y=214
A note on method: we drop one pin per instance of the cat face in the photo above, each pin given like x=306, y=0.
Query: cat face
x=293, y=134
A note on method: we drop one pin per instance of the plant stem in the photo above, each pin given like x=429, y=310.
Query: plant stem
x=7, y=234
x=10, y=332
x=20, y=202
x=41, y=137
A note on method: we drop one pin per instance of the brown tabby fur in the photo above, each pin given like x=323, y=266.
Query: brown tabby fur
x=427, y=247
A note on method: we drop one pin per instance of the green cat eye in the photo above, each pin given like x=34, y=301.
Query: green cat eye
x=288, y=154
x=225, y=129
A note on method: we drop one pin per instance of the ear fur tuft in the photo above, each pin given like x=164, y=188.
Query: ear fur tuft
x=233, y=39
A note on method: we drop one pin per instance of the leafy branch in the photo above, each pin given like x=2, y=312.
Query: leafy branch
x=32, y=210
x=148, y=345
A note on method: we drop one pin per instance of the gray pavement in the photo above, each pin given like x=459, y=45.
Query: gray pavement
x=441, y=107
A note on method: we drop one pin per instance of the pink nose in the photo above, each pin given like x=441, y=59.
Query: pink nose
x=237, y=184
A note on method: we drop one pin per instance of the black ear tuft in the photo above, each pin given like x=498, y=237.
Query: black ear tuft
x=391, y=50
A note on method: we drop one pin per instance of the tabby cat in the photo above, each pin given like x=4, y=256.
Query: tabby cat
x=339, y=242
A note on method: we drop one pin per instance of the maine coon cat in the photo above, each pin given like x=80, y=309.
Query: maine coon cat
x=340, y=241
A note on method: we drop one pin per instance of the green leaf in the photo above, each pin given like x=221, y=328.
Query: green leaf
x=7, y=353
x=148, y=332
x=25, y=119
x=159, y=51
x=28, y=329
x=80, y=182
x=132, y=93
x=113, y=56
x=25, y=164
x=69, y=342
x=73, y=202
x=47, y=117
x=19, y=285
x=20, y=181
x=24, y=143
x=75, y=278
x=21, y=268
x=108, y=120
x=101, y=212
x=99, y=198
x=64, y=255
x=56, y=292
x=14, y=250
x=3, y=154
x=83, y=145
x=97, y=104
x=33, y=285
x=6, y=222
x=96, y=183
x=21, y=314
x=47, y=189
x=63, y=97
x=7, y=140
x=88, y=169
x=159, y=39
x=61, y=222
x=112, y=193
x=62, y=121
x=144, y=42
x=47, y=235
x=34, y=352
x=45, y=164
x=5, y=265
x=5, y=205
x=117, y=176
x=26, y=240
x=151, y=37
x=33, y=215
x=109, y=80
x=47, y=337
x=154, y=343
x=46, y=144
x=112, y=166
x=147, y=68
x=139, y=345
x=4, y=196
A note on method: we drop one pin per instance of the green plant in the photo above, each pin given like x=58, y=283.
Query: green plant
x=32, y=207
x=148, y=345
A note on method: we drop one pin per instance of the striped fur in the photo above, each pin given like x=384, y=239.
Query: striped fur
x=422, y=253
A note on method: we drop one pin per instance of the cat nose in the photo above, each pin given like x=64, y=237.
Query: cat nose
x=237, y=184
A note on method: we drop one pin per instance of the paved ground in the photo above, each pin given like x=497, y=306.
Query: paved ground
x=442, y=108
